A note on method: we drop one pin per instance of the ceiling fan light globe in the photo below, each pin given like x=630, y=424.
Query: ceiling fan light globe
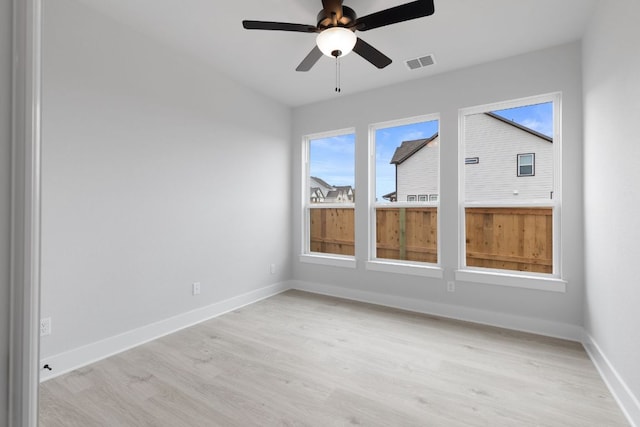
x=336, y=39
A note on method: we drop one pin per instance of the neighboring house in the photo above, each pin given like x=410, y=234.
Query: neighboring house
x=417, y=164
x=322, y=192
x=316, y=194
x=391, y=197
x=503, y=160
x=321, y=185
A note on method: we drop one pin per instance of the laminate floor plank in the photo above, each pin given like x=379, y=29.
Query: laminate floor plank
x=299, y=359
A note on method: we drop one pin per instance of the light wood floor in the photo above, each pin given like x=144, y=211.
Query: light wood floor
x=299, y=359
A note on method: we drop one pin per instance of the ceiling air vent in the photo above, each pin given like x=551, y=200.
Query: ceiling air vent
x=423, y=61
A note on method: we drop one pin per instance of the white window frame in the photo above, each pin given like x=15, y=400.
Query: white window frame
x=388, y=265
x=540, y=281
x=306, y=256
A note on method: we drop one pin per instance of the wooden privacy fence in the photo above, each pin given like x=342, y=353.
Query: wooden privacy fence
x=401, y=233
x=518, y=239
x=332, y=231
x=409, y=234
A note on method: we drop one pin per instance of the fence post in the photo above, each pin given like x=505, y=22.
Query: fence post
x=403, y=233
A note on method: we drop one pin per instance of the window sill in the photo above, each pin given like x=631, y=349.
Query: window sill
x=330, y=260
x=406, y=268
x=540, y=283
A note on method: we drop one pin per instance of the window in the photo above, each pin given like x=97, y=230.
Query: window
x=433, y=197
x=405, y=174
x=330, y=194
x=508, y=223
x=526, y=164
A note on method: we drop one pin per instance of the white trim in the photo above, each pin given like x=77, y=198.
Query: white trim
x=468, y=314
x=406, y=204
x=628, y=402
x=556, y=203
x=331, y=206
x=376, y=264
x=82, y=356
x=406, y=267
x=512, y=204
x=557, y=184
x=306, y=205
x=25, y=216
x=330, y=260
x=512, y=103
x=540, y=282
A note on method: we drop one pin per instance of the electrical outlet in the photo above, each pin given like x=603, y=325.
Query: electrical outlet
x=451, y=286
x=273, y=269
x=195, y=289
x=45, y=326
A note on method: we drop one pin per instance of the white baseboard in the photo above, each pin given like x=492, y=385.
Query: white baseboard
x=627, y=401
x=485, y=317
x=82, y=356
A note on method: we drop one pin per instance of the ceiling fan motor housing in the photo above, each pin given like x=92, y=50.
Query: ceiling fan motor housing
x=327, y=21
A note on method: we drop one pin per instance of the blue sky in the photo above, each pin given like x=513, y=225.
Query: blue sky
x=538, y=117
x=333, y=159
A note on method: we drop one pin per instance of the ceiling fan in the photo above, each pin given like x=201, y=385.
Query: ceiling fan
x=336, y=29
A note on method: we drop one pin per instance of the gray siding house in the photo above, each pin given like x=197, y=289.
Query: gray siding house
x=504, y=161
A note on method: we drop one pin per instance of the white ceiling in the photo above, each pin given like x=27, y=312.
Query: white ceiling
x=460, y=33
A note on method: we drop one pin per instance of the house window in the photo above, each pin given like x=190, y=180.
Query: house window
x=433, y=197
x=508, y=223
x=330, y=194
x=526, y=164
x=405, y=169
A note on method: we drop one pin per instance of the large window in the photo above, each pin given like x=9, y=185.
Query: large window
x=405, y=176
x=510, y=218
x=330, y=194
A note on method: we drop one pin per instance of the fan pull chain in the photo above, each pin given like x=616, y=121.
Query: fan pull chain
x=338, y=89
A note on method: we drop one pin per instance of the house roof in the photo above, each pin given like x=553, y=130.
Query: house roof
x=519, y=126
x=321, y=182
x=346, y=188
x=317, y=190
x=409, y=148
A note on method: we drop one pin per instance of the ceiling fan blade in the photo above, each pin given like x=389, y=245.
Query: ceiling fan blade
x=371, y=54
x=405, y=12
x=279, y=26
x=310, y=60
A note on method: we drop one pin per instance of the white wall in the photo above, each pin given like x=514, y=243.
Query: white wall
x=612, y=196
x=150, y=164
x=5, y=199
x=551, y=70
